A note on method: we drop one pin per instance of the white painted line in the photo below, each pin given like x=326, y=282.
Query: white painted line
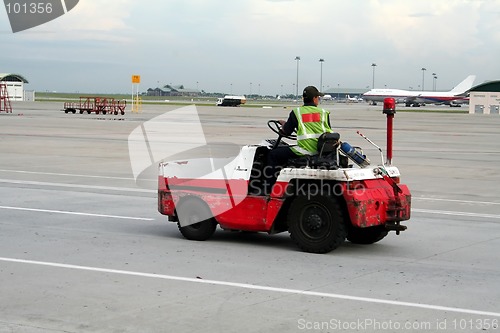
x=257, y=287
x=63, y=174
x=77, y=213
x=445, y=212
x=71, y=175
x=155, y=180
x=459, y=201
x=93, y=187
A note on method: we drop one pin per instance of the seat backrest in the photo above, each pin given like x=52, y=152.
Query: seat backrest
x=328, y=143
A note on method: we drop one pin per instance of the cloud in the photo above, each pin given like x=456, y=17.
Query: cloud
x=90, y=20
x=174, y=41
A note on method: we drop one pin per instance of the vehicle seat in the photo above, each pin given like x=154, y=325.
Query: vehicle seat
x=328, y=144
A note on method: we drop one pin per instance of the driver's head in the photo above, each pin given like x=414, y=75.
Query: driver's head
x=311, y=95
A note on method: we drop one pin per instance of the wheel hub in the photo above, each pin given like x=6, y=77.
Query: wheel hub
x=314, y=222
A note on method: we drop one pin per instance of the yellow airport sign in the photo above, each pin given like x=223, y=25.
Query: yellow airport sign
x=136, y=79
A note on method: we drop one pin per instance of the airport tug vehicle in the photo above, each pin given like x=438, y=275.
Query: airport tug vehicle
x=320, y=200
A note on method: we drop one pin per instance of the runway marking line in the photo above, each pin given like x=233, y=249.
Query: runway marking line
x=124, y=189
x=71, y=175
x=155, y=180
x=256, y=287
x=457, y=200
x=93, y=187
x=455, y=213
x=67, y=174
x=77, y=213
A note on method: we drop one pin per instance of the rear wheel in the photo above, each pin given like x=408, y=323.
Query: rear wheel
x=195, y=220
x=316, y=223
x=368, y=235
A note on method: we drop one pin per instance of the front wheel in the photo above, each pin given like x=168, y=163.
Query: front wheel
x=195, y=220
x=316, y=223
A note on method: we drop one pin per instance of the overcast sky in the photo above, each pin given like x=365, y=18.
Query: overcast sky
x=245, y=46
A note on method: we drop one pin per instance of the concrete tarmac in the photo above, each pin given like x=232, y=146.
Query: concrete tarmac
x=83, y=248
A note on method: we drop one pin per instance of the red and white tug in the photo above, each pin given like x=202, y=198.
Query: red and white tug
x=320, y=201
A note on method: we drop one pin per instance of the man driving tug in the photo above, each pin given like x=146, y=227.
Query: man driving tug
x=309, y=122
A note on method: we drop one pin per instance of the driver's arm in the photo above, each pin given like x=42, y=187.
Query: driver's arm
x=291, y=124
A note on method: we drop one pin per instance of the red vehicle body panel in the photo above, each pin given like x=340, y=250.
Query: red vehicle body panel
x=370, y=203
x=228, y=201
x=374, y=202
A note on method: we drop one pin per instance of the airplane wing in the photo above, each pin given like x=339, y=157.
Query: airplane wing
x=412, y=100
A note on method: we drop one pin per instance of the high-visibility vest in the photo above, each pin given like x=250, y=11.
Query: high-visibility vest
x=312, y=122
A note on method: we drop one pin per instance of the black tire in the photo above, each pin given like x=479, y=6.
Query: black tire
x=195, y=220
x=316, y=224
x=368, y=235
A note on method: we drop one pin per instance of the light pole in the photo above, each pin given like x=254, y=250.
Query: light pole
x=297, y=85
x=423, y=81
x=434, y=77
x=373, y=75
x=321, y=61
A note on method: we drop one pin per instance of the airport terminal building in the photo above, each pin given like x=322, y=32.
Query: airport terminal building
x=171, y=90
x=340, y=93
x=15, y=86
x=485, y=98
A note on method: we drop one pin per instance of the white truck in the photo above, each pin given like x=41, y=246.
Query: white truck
x=231, y=101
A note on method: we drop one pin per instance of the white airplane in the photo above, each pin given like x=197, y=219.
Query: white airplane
x=353, y=99
x=417, y=98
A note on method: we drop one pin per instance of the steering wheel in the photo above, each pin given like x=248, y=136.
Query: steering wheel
x=275, y=126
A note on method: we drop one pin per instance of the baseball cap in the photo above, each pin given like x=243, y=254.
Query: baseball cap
x=311, y=92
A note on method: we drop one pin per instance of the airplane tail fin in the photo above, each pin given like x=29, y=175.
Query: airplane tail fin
x=464, y=86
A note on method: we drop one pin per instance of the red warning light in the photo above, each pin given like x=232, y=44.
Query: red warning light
x=389, y=105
